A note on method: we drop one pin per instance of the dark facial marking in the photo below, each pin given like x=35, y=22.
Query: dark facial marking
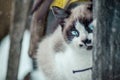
x=86, y=41
x=72, y=32
x=86, y=23
x=91, y=28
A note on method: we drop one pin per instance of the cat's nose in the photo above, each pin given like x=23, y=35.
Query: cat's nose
x=81, y=45
x=86, y=41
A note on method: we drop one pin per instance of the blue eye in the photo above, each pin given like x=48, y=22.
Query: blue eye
x=91, y=26
x=75, y=33
x=71, y=33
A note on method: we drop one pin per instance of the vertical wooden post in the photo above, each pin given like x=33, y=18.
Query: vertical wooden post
x=19, y=17
x=38, y=24
x=115, y=41
x=107, y=41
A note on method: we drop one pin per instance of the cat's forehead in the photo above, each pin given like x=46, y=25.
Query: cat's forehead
x=79, y=26
x=81, y=13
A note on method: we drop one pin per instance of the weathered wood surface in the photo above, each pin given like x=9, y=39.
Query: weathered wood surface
x=107, y=41
x=38, y=24
x=18, y=21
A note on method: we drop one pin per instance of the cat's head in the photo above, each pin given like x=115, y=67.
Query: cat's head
x=76, y=25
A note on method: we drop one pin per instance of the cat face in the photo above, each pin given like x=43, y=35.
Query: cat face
x=79, y=35
x=76, y=26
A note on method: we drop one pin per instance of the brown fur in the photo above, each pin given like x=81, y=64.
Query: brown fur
x=53, y=51
x=82, y=12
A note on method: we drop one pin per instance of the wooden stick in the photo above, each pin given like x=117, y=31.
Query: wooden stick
x=38, y=26
x=19, y=17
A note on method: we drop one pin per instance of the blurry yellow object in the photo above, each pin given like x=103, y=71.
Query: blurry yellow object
x=59, y=3
x=62, y=3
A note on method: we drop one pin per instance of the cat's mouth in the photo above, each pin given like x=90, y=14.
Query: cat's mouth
x=89, y=47
x=86, y=46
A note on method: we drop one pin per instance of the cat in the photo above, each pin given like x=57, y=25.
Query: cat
x=69, y=48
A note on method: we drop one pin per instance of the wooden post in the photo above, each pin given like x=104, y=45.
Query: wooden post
x=38, y=24
x=19, y=17
x=107, y=41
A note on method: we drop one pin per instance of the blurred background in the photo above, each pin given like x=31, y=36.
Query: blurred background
x=5, y=10
x=23, y=23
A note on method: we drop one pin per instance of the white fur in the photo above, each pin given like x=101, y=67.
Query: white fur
x=70, y=60
x=25, y=61
x=37, y=75
x=59, y=66
x=82, y=32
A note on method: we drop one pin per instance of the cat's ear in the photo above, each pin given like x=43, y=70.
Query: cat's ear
x=60, y=13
